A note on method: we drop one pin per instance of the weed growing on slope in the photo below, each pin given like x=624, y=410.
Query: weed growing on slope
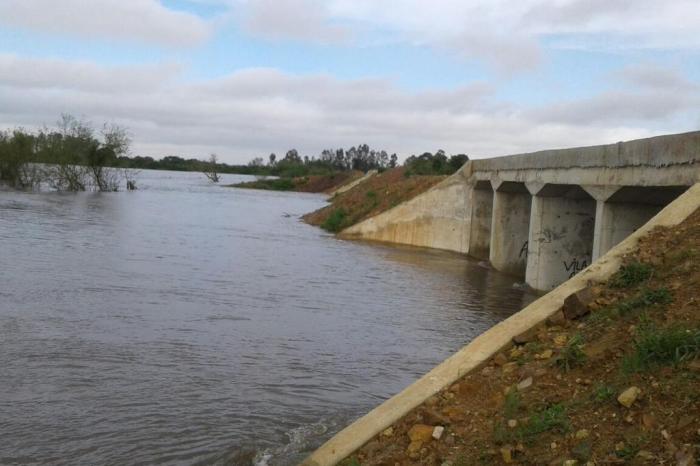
x=656, y=346
x=572, y=354
x=631, y=274
x=335, y=221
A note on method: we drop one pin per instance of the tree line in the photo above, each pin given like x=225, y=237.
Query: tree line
x=73, y=156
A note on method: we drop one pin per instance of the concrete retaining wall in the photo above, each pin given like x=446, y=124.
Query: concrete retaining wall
x=438, y=218
x=486, y=345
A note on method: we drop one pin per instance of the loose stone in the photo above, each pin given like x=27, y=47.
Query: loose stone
x=629, y=396
x=437, y=432
x=525, y=383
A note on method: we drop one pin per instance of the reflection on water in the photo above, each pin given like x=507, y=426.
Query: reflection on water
x=187, y=323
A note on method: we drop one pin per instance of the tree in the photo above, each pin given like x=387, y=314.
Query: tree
x=210, y=169
x=272, y=159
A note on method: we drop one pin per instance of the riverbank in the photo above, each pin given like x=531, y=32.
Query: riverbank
x=303, y=184
x=371, y=197
x=610, y=380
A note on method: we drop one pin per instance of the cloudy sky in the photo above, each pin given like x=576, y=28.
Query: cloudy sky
x=244, y=78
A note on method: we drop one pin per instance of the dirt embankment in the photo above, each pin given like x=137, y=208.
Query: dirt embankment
x=371, y=197
x=614, y=378
x=305, y=184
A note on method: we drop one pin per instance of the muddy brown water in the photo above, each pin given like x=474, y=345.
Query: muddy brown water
x=188, y=323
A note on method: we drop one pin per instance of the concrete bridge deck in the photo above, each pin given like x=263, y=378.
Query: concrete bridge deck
x=544, y=216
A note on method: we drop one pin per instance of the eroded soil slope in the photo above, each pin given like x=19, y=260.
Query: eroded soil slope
x=619, y=383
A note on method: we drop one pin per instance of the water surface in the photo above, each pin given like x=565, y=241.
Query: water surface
x=188, y=323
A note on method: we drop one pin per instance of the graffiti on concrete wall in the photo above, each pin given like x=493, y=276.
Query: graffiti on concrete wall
x=575, y=266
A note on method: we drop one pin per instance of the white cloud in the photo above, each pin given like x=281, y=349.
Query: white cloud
x=506, y=34
x=257, y=111
x=125, y=20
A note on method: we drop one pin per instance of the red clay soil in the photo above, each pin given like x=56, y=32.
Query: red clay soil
x=375, y=195
x=620, y=385
x=325, y=183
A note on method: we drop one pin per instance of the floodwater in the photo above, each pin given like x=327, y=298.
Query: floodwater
x=189, y=323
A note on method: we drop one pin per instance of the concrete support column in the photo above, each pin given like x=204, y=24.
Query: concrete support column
x=509, y=228
x=561, y=235
x=622, y=210
x=602, y=232
x=481, y=218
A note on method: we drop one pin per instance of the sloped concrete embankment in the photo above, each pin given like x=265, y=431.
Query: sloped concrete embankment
x=434, y=219
x=489, y=343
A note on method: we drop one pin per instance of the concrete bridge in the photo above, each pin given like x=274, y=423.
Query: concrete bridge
x=544, y=216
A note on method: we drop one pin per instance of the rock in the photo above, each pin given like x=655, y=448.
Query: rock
x=500, y=359
x=582, y=434
x=526, y=383
x=420, y=433
x=570, y=463
x=629, y=396
x=446, y=463
x=512, y=423
x=648, y=421
x=413, y=450
x=645, y=455
x=437, y=432
x=576, y=304
x=526, y=337
x=516, y=352
x=546, y=354
x=388, y=432
x=557, y=318
x=507, y=454
x=560, y=341
x=509, y=367
x=432, y=417
x=553, y=445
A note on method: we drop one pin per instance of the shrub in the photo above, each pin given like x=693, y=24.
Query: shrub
x=335, y=221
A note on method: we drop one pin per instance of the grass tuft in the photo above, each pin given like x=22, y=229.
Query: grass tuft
x=631, y=274
x=656, y=346
x=572, y=354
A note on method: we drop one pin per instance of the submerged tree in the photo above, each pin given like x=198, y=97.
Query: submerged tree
x=68, y=158
x=210, y=169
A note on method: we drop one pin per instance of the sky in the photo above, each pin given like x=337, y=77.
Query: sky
x=244, y=78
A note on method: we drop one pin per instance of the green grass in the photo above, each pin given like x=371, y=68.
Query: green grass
x=603, y=393
x=276, y=184
x=656, y=346
x=511, y=404
x=335, y=221
x=352, y=461
x=631, y=274
x=572, y=355
x=645, y=298
x=551, y=418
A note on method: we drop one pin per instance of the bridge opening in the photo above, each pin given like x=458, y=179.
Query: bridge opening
x=481, y=218
x=561, y=235
x=510, y=227
x=626, y=210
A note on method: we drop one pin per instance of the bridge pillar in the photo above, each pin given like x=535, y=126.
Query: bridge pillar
x=481, y=218
x=622, y=210
x=560, y=242
x=510, y=226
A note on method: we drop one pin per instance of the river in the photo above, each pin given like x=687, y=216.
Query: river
x=189, y=323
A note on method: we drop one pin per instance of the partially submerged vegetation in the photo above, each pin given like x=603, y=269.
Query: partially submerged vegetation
x=617, y=382
x=71, y=157
x=371, y=197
